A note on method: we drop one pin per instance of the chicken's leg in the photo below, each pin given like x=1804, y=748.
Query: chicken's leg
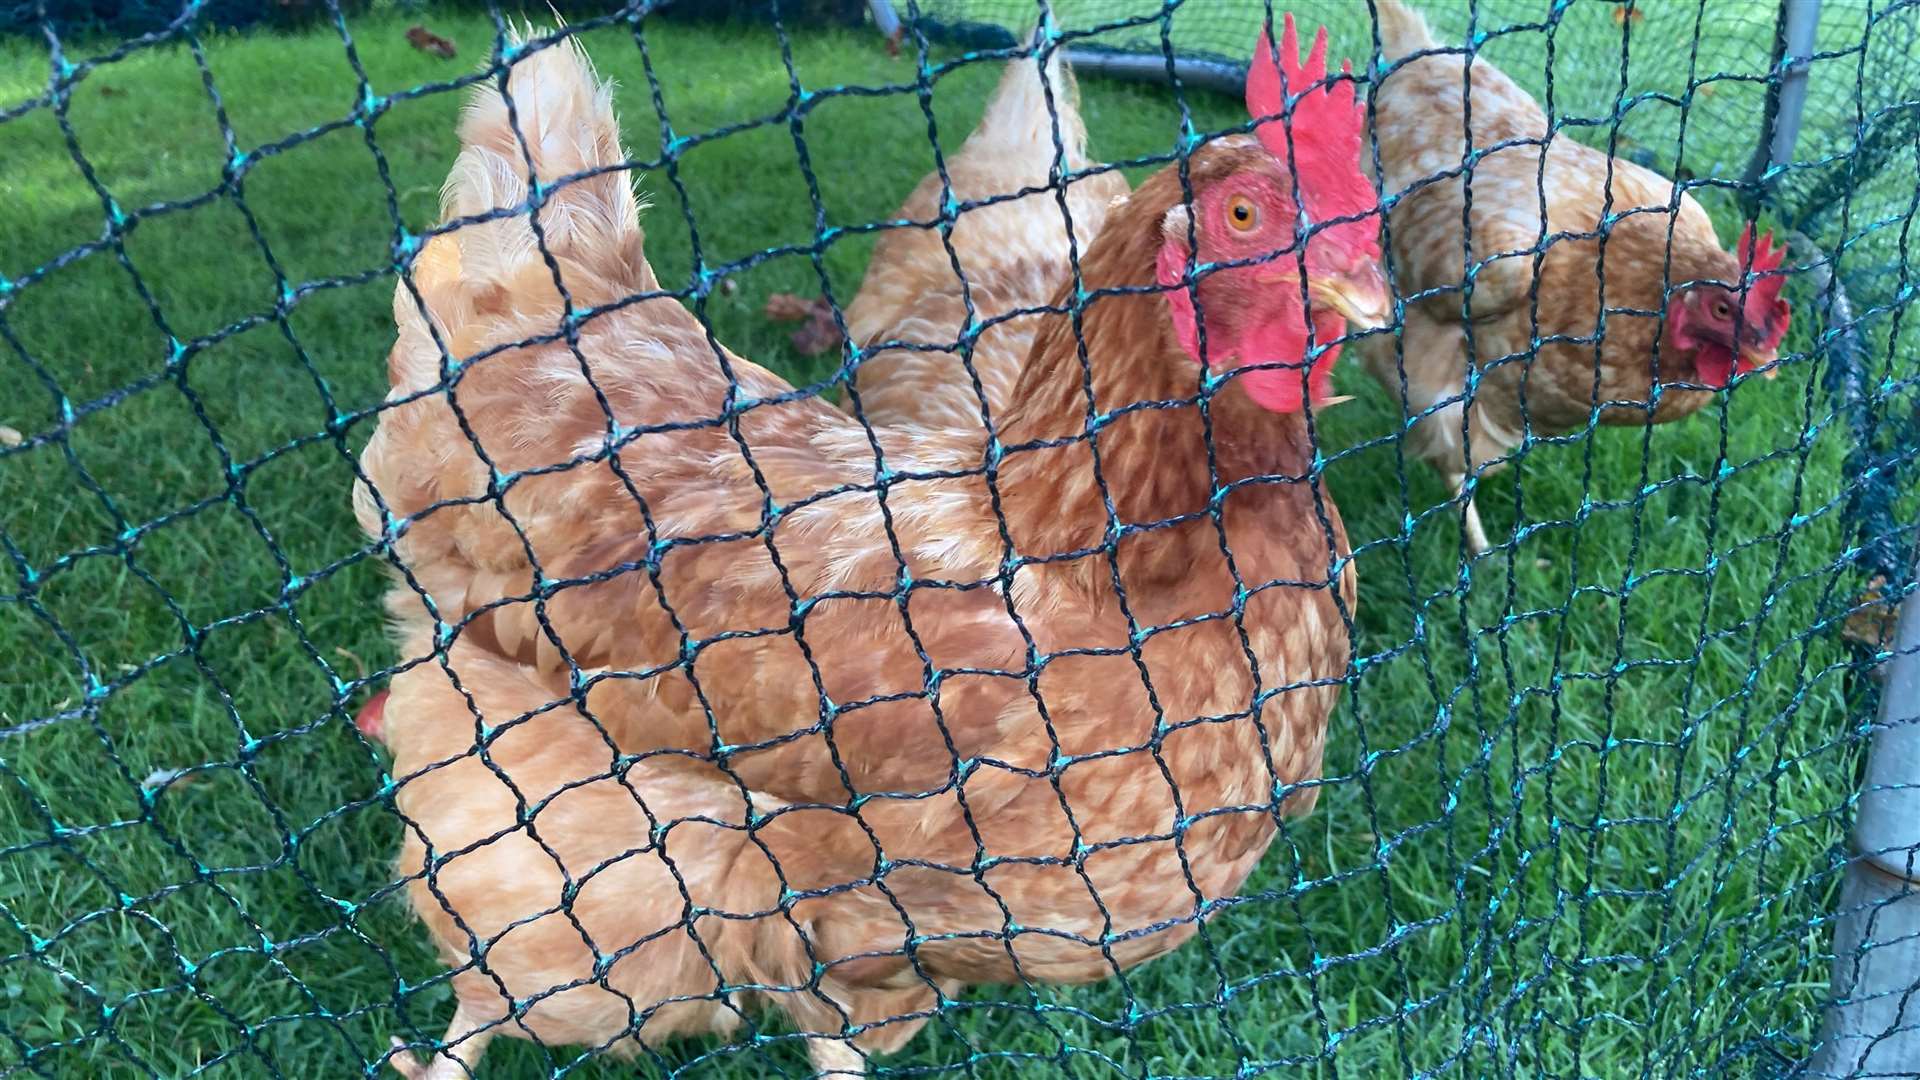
x=466, y=1039
x=1476, y=533
x=835, y=1057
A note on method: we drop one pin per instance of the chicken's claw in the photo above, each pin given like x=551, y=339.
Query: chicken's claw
x=437, y=1067
x=1476, y=533
x=835, y=1058
x=459, y=1059
x=405, y=1063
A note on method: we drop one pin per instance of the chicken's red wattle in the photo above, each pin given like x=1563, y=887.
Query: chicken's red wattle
x=371, y=719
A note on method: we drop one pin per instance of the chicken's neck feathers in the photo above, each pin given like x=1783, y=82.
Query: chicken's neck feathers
x=1144, y=449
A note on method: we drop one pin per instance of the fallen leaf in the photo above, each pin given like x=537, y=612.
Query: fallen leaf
x=820, y=333
x=728, y=286
x=175, y=778
x=10, y=436
x=787, y=307
x=1622, y=14
x=1873, y=619
x=429, y=42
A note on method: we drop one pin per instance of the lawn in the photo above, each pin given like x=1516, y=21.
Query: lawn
x=1584, y=793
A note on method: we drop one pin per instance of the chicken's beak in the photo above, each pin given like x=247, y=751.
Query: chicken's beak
x=1761, y=360
x=1360, y=296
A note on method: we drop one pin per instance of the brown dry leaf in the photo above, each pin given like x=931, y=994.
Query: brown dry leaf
x=174, y=779
x=1622, y=14
x=788, y=307
x=820, y=333
x=1872, y=622
x=429, y=42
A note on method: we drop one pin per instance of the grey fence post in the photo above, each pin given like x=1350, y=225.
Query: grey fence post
x=1873, y=1022
x=1786, y=99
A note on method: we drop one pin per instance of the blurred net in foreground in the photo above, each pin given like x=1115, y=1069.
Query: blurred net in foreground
x=1585, y=818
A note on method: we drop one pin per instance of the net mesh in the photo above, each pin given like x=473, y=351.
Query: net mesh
x=1586, y=798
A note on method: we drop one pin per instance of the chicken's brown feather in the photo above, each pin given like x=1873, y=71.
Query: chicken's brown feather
x=718, y=584
x=1540, y=204
x=1012, y=252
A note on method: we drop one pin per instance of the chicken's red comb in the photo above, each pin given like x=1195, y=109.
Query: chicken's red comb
x=1326, y=127
x=1758, y=257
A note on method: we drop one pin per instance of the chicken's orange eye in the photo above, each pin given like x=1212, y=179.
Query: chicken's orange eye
x=1242, y=214
x=1721, y=309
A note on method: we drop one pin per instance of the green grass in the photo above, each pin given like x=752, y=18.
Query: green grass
x=1581, y=798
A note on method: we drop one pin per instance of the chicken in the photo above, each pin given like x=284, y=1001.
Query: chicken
x=1688, y=314
x=1013, y=249
x=770, y=725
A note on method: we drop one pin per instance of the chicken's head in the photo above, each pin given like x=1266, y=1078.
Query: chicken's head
x=1730, y=332
x=1250, y=203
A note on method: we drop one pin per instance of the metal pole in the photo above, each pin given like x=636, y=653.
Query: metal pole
x=1787, y=98
x=1803, y=19
x=1220, y=75
x=1873, y=1021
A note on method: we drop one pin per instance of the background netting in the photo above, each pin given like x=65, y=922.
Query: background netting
x=1587, y=799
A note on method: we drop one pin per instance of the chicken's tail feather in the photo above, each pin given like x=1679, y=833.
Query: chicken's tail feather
x=1020, y=119
x=554, y=123
x=1402, y=31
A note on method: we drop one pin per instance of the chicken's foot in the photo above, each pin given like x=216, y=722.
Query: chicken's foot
x=1476, y=533
x=834, y=1057
x=466, y=1039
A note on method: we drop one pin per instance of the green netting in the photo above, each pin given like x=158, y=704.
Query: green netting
x=1586, y=798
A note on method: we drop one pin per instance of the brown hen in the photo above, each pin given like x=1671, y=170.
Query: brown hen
x=762, y=727
x=1680, y=313
x=1013, y=249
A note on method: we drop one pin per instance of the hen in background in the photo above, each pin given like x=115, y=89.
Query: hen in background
x=1012, y=249
x=1689, y=314
x=670, y=740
